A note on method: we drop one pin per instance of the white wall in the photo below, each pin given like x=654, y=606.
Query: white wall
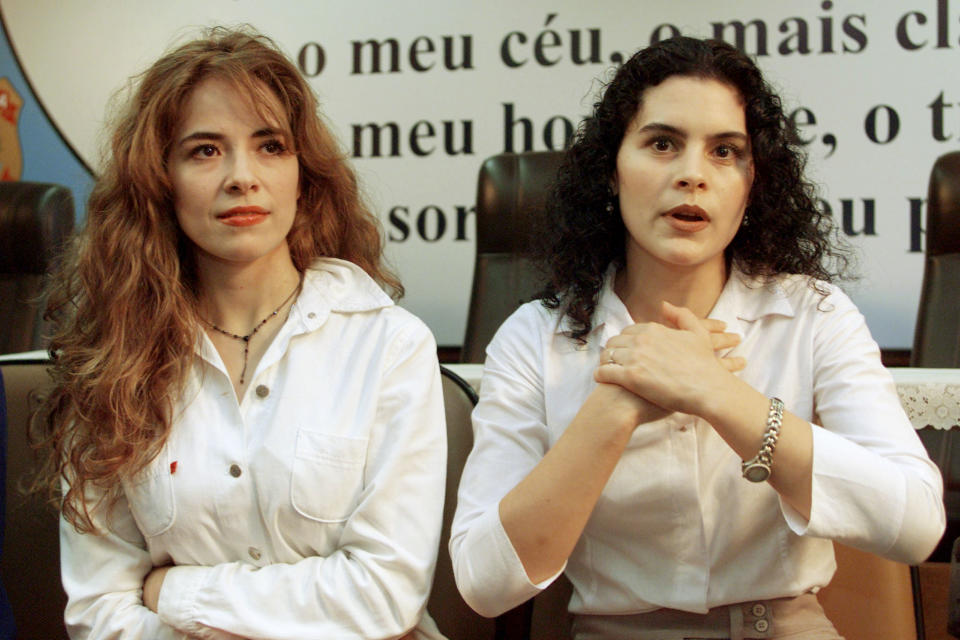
x=861, y=58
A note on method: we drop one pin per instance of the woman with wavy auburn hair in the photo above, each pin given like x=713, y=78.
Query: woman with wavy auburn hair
x=248, y=431
x=692, y=411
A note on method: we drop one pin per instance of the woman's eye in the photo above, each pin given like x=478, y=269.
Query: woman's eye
x=727, y=151
x=204, y=151
x=662, y=144
x=274, y=147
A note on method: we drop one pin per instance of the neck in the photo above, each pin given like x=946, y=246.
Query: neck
x=643, y=287
x=237, y=297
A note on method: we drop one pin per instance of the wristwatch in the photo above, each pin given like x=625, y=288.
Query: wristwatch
x=758, y=468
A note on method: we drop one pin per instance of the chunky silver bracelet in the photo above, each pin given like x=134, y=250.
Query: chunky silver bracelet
x=758, y=468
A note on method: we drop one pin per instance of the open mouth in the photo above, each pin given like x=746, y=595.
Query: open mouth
x=688, y=213
x=687, y=218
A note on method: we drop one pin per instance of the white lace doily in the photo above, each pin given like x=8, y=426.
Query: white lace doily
x=931, y=404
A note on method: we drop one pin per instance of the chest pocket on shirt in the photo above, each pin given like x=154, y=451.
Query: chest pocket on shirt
x=150, y=496
x=327, y=475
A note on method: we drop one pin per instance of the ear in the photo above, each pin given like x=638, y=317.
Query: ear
x=614, y=183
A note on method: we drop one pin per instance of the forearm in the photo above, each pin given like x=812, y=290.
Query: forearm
x=545, y=514
x=102, y=576
x=738, y=413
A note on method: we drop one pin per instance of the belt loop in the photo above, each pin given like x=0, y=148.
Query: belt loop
x=736, y=622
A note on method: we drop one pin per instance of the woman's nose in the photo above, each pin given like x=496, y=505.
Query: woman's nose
x=240, y=177
x=690, y=173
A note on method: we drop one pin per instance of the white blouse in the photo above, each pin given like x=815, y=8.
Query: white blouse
x=310, y=509
x=676, y=525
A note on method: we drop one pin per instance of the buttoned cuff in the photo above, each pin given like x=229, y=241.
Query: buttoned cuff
x=854, y=500
x=177, y=604
x=502, y=582
x=511, y=561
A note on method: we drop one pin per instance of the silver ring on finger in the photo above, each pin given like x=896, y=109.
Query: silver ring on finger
x=611, y=359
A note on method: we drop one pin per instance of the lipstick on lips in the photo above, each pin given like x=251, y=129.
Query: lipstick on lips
x=687, y=217
x=244, y=216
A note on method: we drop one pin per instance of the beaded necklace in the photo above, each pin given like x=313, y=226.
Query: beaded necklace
x=246, y=339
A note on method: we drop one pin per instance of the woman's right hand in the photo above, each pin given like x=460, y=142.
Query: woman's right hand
x=674, y=363
x=638, y=410
x=622, y=406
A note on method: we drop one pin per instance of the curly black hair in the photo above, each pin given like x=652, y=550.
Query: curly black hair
x=783, y=229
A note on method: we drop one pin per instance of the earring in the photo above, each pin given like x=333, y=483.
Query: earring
x=609, y=207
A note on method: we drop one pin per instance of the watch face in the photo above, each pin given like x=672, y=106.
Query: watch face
x=757, y=472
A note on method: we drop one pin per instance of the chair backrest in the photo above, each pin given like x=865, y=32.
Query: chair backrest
x=936, y=341
x=453, y=616
x=6, y=612
x=30, y=563
x=512, y=191
x=869, y=597
x=35, y=220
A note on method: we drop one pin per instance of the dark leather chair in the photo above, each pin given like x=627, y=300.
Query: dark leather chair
x=936, y=343
x=35, y=220
x=512, y=190
x=30, y=563
x=453, y=616
x=7, y=626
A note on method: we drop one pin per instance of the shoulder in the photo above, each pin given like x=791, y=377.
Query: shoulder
x=343, y=286
x=340, y=288
x=790, y=295
x=810, y=294
x=530, y=322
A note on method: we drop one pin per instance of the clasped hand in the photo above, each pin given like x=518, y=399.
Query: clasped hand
x=673, y=364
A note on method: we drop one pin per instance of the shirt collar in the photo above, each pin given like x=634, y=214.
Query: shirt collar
x=330, y=285
x=750, y=298
x=743, y=298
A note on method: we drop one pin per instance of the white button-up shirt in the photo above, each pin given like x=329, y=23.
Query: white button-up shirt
x=676, y=525
x=310, y=509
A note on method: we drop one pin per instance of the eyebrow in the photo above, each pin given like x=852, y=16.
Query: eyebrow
x=266, y=132
x=660, y=127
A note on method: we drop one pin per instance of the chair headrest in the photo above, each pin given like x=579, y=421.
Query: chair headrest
x=512, y=189
x=943, y=206
x=35, y=220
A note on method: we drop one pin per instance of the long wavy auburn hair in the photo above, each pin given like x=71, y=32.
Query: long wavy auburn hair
x=783, y=229
x=124, y=300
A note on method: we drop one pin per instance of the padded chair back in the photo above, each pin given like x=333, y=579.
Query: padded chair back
x=30, y=563
x=869, y=597
x=6, y=613
x=35, y=220
x=936, y=343
x=453, y=616
x=512, y=191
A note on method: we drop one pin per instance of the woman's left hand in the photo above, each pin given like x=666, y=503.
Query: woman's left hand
x=151, y=587
x=673, y=364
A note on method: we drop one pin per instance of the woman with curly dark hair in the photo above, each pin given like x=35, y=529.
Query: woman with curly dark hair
x=693, y=411
x=248, y=431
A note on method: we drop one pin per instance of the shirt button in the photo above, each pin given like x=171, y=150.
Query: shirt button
x=758, y=610
x=311, y=315
x=235, y=470
x=262, y=391
x=254, y=553
x=683, y=427
x=761, y=625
